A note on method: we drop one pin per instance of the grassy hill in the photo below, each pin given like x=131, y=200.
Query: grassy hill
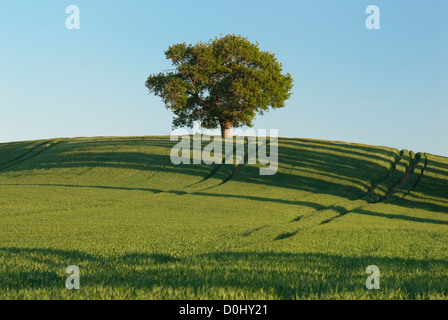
x=139, y=227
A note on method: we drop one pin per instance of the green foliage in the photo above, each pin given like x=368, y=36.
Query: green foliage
x=139, y=227
x=226, y=81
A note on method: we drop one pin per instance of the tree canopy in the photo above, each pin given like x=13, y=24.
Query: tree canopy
x=225, y=82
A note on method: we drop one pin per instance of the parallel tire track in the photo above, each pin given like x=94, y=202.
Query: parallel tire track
x=419, y=166
x=20, y=157
x=402, y=182
x=33, y=152
x=221, y=169
x=377, y=193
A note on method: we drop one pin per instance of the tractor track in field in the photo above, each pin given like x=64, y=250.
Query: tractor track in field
x=340, y=210
x=211, y=174
x=18, y=158
x=373, y=187
x=225, y=180
x=214, y=172
x=421, y=174
x=419, y=177
x=166, y=164
x=404, y=179
x=234, y=172
x=337, y=207
x=34, y=152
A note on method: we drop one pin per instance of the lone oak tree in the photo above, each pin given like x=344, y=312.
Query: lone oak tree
x=224, y=82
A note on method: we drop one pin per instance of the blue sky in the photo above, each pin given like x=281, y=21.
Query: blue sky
x=381, y=87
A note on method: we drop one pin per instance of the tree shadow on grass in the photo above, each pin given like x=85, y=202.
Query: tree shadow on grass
x=124, y=154
x=316, y=167
x=431, y=191
x=428, y=205
x=278, y=275
x=79, y=153
x=400, y=217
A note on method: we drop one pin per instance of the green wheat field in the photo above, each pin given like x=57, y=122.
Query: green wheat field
x=140, y=227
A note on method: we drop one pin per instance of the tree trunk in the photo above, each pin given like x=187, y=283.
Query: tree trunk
x=225, y=129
